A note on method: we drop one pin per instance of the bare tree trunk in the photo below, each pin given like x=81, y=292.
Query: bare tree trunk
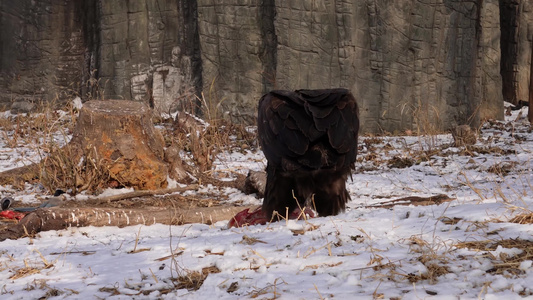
x=62, y=218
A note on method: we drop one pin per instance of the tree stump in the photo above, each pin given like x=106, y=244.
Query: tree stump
x=114, y=142
x=123, y=135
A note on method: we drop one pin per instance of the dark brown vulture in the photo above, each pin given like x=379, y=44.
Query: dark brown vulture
x=309, y=138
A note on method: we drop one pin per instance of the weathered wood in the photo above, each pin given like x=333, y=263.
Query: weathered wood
x=17, y=177
x=62, y=218
x=120, y=135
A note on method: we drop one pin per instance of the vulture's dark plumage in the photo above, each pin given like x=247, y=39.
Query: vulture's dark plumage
x=309, y=138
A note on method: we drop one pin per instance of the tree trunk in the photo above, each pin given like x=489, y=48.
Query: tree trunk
x=122, y=134
x=62, y=218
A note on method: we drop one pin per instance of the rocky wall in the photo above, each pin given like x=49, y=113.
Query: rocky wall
x=516, y=44
x=148, y=52
x=41, y=50
x=140, y=50
x=412, y=65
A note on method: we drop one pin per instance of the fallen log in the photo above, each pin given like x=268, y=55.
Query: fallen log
x=17, y=177
x=56, y=218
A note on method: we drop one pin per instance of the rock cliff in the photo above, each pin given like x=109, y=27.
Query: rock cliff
x=411, y=64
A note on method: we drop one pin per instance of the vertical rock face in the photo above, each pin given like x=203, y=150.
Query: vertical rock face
x=231, y=40
x=140, y=50
x=41, y=50
x=516, y=45
x=148, y=51
x=411, y=64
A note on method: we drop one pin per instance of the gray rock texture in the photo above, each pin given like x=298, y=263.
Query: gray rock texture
x=417, y=65
x=140, y=50
x=41, y=50
x=516, y=47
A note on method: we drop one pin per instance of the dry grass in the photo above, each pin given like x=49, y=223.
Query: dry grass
x=502, y=168
x=204, y=138
x=523, y=218
x=272, y=288
x=30, y=269
x=65, y=167
x=503, y=264
x=28, y=129
x=193, y=280
x=62, y=167
x=43, y=131
x=434, y=256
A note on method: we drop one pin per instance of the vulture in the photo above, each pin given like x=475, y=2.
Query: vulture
x=309, y=138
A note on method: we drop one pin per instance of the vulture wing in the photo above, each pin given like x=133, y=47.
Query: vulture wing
x=309, y=138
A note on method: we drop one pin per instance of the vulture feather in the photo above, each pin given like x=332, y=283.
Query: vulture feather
x=309, y=138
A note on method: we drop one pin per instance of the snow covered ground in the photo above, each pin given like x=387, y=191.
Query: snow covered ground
x=473, y=247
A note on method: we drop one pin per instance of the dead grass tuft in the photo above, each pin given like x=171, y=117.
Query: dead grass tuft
x=400, y=162
x=193, y=280
x=270, y=288
x=113, y=291
x=23, y=272
x=502, y=168
x=204, y=139
x=432, y=255
x=475, y=150
x=525, y=218
x=247, y=240
x=64, y=167
x=28, y=269
x=504, y=263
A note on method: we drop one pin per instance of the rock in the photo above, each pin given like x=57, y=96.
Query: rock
x=97, y=49
x=76, y=103
x=22, y=107
x=411, y=69
x=406, y=62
